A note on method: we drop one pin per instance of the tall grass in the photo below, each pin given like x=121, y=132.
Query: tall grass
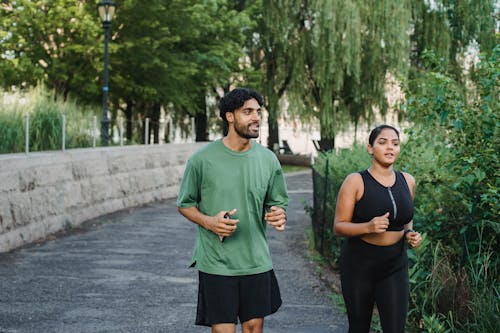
x=444, y=299
x=11, y=130
x=46, y=113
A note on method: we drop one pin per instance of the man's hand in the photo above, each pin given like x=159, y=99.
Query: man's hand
x=223, y=226
x=276, y=217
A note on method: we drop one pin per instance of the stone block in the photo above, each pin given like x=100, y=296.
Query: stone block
x=9, y=181
x=42, y=192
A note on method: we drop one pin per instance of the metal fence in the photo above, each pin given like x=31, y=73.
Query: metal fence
x=324, y=197
x=92, y=132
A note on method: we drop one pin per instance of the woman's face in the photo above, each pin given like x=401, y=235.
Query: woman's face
x=385, y=148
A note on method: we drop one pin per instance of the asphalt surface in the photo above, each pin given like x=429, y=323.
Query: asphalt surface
x=128, y=272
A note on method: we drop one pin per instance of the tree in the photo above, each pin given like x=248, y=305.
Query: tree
x=168, y=54
x=50, y=41
x=218, y=55
x=173, y=55
x=331, y=58
x=449, y=27
x=143, y=70
x=273, y=46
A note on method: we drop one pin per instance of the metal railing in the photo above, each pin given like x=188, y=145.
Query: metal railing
x=94, y=132
x=323, y=211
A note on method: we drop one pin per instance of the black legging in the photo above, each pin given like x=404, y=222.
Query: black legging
x=371, y=275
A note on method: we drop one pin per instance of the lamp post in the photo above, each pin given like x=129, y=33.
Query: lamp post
x=106, y=9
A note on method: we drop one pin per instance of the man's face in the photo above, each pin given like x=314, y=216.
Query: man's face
x=247, y=119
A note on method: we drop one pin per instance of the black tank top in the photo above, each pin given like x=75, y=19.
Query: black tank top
x=378, y=199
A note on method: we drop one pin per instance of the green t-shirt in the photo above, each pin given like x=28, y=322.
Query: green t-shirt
x=216, y=179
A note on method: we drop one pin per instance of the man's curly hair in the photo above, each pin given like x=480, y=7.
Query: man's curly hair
x=236, y=98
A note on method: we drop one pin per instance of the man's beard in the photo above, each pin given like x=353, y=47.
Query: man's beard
x=244, y=132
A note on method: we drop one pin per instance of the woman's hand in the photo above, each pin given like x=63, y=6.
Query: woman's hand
x=379, y=224
x=413, y=238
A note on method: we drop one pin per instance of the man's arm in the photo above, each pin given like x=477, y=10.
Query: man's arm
x=276, y=217
x=218, y=224
x=277, y=200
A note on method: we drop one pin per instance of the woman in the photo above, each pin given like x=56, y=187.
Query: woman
x=375, y=212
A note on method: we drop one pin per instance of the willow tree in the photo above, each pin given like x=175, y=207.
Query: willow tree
x=348, y=50
x=447, y=28
x=273, y=48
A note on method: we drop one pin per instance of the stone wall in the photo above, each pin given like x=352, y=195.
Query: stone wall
x=41, y=193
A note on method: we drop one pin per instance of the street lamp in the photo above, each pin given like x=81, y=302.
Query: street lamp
x=106, y=9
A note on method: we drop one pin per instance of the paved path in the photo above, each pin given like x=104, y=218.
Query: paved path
x=127, y=273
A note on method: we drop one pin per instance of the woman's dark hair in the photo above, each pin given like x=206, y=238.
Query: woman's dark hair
x=236, y=98
x=376, y=131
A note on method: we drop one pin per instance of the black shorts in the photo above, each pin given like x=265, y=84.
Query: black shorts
x=224, y=299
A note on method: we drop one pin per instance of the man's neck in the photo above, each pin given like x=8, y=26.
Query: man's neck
x=236, y=142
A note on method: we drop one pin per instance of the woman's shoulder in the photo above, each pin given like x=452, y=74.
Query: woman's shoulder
x=408, y=177
x=354, y=179
x=353, y=187
x=410, y=181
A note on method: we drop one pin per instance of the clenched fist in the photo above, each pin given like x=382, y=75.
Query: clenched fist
x=379, y=224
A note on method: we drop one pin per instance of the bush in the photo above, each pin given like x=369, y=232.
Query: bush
x=45, y=128
x=452, y=151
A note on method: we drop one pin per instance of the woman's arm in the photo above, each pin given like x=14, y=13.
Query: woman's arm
x=413, y=238
x=350, y=192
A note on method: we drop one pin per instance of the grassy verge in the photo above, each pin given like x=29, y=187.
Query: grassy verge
x=294, y=168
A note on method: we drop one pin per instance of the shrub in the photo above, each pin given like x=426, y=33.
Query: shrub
x=453, y=152
x=45, y=128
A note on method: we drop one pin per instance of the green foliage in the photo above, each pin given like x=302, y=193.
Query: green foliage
x=348, y=48
x=46, y=120
x=330, y=170
x=448, y=27
x=446, y=299
x=453, y=152
x=174, y=54
x=293, y=168
x=45, y=128
x=484, y=304
x=457, y=142
x=338, y=302
x=161, y=53
x=434, y=323
x=11, y=131
x=51, y=41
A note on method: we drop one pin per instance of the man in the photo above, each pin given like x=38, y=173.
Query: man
x=230, y=188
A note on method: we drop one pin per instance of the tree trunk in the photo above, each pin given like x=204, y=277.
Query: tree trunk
x=201, y=126
x=201, y=119
x=273, y=136
x=326, y=144
x=356, y=131
x=128, y=121
x=155, y=122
